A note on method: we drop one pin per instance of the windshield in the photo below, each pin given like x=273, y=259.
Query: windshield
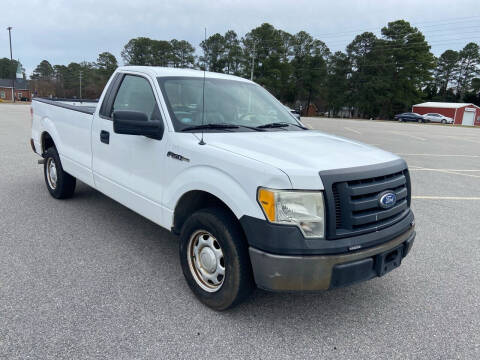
x=227, y=102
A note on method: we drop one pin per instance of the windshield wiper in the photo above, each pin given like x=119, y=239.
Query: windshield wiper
x=210, y=126
x=220, y=126
x=256, y=128
x=280, y=125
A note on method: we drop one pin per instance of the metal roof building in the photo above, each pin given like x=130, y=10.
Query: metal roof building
x=461, y=113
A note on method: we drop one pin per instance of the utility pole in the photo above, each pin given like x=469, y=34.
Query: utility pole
x=11, y=59
x=80, y=84
x=253, y=62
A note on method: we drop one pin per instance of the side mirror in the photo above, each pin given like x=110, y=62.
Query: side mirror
x=136, y=123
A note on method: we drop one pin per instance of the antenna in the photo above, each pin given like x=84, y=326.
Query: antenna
x=203, y=89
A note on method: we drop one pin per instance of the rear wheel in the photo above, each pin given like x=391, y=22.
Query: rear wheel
x=59, y=184
x=214, y=258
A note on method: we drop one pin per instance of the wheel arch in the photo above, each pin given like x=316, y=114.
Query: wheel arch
x=46, y=141
x=195, y=200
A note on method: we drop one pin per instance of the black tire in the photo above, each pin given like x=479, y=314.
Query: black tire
x=64, y=186
x=444, y=121
x=238, y=281
x=420, y=120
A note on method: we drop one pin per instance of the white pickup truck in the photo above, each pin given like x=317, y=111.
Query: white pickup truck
x=256, y=197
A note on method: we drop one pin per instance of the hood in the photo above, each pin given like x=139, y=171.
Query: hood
x=300, y=154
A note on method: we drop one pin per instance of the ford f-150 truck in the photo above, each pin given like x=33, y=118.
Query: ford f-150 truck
x=256, y=198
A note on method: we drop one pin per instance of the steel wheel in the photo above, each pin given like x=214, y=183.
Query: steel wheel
x=52, y=173
x=206, y=261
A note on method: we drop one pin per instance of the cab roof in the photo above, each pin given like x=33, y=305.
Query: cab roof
x=158, y=71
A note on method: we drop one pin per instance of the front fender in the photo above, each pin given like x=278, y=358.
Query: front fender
x=216, y=182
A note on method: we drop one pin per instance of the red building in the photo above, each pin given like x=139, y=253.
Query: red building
x=21, y=91
x=461, y=113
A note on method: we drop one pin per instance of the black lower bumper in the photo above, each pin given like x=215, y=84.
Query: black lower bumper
x=307, y=273
x=289, y=240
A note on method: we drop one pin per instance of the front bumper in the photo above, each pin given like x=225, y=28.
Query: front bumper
x=307, y=273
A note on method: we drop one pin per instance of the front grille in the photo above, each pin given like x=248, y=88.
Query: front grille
x=353, y=202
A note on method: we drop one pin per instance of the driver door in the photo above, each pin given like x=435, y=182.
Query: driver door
x=130, y=168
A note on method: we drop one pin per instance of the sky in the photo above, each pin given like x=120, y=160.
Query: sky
x=62, y=31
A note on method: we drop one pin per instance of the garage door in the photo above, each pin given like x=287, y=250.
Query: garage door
x=468, y=117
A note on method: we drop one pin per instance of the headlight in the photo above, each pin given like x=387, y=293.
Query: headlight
x=302, y=208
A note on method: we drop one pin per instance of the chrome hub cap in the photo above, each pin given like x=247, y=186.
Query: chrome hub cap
x=205, y=260
x=52, y=173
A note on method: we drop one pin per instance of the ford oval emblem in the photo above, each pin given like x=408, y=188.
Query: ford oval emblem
x=387, y=199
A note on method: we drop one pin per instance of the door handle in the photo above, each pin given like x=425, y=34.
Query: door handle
x=105, y=137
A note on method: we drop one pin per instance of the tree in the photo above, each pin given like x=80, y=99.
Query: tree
x=106, y=64
x=476, y=85
x=138, y=51
x=44, y=71
x=182, y=54
x=447, y=66
x=59, y=73
x=214, y=53
x=468, y=67
x=309, y=68
x=161, y=53
x=8, y=68
x=145, y=51
x=409, y=63
x=369, y=87
x=266, y=45
x=338, y=87
x=233, y=53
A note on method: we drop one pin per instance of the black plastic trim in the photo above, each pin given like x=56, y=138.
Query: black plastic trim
x=83, y=109
x=106, y=107
x=289, y=240
x=69, y=99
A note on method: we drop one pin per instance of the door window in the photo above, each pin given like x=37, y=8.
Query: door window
x=136, y=94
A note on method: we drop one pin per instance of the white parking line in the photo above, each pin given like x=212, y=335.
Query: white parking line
x=409, y=135
x=353, y=130
x=461, y=138
x=427, y=197
x=432, y=169
x=440, y=155
x=447, y=171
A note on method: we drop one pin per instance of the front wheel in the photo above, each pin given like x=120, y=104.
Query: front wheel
x=444, y=121
x=59, y=184
x=420, y=120
x=214, y=258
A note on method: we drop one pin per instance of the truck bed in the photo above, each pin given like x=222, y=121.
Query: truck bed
x=68, y=122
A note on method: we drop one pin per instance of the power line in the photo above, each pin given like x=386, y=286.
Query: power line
x=437, y=23
x=325, y=36
x=433, y=40
x=431, y=43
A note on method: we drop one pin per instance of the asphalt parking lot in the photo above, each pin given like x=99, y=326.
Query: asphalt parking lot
x=88, y=278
